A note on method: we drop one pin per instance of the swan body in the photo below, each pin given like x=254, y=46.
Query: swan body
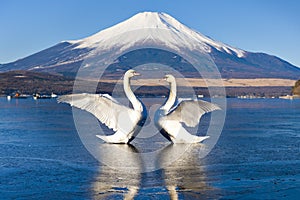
x=169, y=118
x=125, y=121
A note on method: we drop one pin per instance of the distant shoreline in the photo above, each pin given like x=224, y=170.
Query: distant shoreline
x=26, y=82
x=232, y=82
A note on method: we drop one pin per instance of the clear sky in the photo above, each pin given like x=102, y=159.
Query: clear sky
x=270, y=26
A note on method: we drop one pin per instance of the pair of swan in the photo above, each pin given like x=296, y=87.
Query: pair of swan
x=127, y=122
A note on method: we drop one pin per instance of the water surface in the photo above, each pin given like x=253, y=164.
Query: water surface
x=256, y=157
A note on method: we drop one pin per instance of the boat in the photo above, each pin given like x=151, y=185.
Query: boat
x=290, y=97
x=54, y=95
x=17, y=95
x=44, y=96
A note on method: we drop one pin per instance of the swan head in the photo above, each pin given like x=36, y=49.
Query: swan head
x=131, y=73
x=169, y=78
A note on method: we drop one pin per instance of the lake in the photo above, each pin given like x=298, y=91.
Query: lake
x=256, y=157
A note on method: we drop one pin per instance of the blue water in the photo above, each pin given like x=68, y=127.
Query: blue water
x=256, y=157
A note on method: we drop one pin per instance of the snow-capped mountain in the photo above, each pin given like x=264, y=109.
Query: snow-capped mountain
x=154, y=28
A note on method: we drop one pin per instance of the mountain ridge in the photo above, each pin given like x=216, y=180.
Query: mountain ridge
x=67, y=56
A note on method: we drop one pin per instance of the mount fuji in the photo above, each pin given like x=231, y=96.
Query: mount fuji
x=148, y=28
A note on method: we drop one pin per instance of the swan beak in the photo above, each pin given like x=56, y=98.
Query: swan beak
x=136, y=74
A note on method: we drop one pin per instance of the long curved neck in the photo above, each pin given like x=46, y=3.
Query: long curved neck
x=130, y=95
x=172, y=97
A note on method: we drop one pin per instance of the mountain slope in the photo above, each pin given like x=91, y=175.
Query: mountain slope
x=62, y=58
x=150, y=28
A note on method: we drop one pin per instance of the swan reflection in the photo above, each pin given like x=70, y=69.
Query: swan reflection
x=185, y=176
x=120, y=175
x=123, y=177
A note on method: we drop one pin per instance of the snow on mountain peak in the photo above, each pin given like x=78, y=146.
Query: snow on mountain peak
x=154, y=27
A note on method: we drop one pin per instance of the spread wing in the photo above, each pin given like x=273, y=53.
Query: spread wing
x=190, y=111
x=102, y=106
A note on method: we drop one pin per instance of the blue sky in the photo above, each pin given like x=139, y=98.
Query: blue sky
x=270, y=26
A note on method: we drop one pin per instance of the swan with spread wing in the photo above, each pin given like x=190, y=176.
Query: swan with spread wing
x=125, y=121
x=169, y=118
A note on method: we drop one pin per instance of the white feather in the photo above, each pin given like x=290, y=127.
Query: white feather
x=191, y=111
x=104, y=107
x=172, y=114
x=123, y=120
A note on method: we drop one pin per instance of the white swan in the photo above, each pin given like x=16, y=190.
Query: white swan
x=125, y=121
x=169, y=117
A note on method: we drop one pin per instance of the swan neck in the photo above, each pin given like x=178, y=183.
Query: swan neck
x=130, y=95
x=172, y=97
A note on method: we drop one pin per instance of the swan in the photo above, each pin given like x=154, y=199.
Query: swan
x=169, y=118
x=125, y=121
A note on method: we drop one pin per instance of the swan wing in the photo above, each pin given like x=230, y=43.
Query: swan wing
x=174, y=131
x=108, y=110
x=191, y=111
